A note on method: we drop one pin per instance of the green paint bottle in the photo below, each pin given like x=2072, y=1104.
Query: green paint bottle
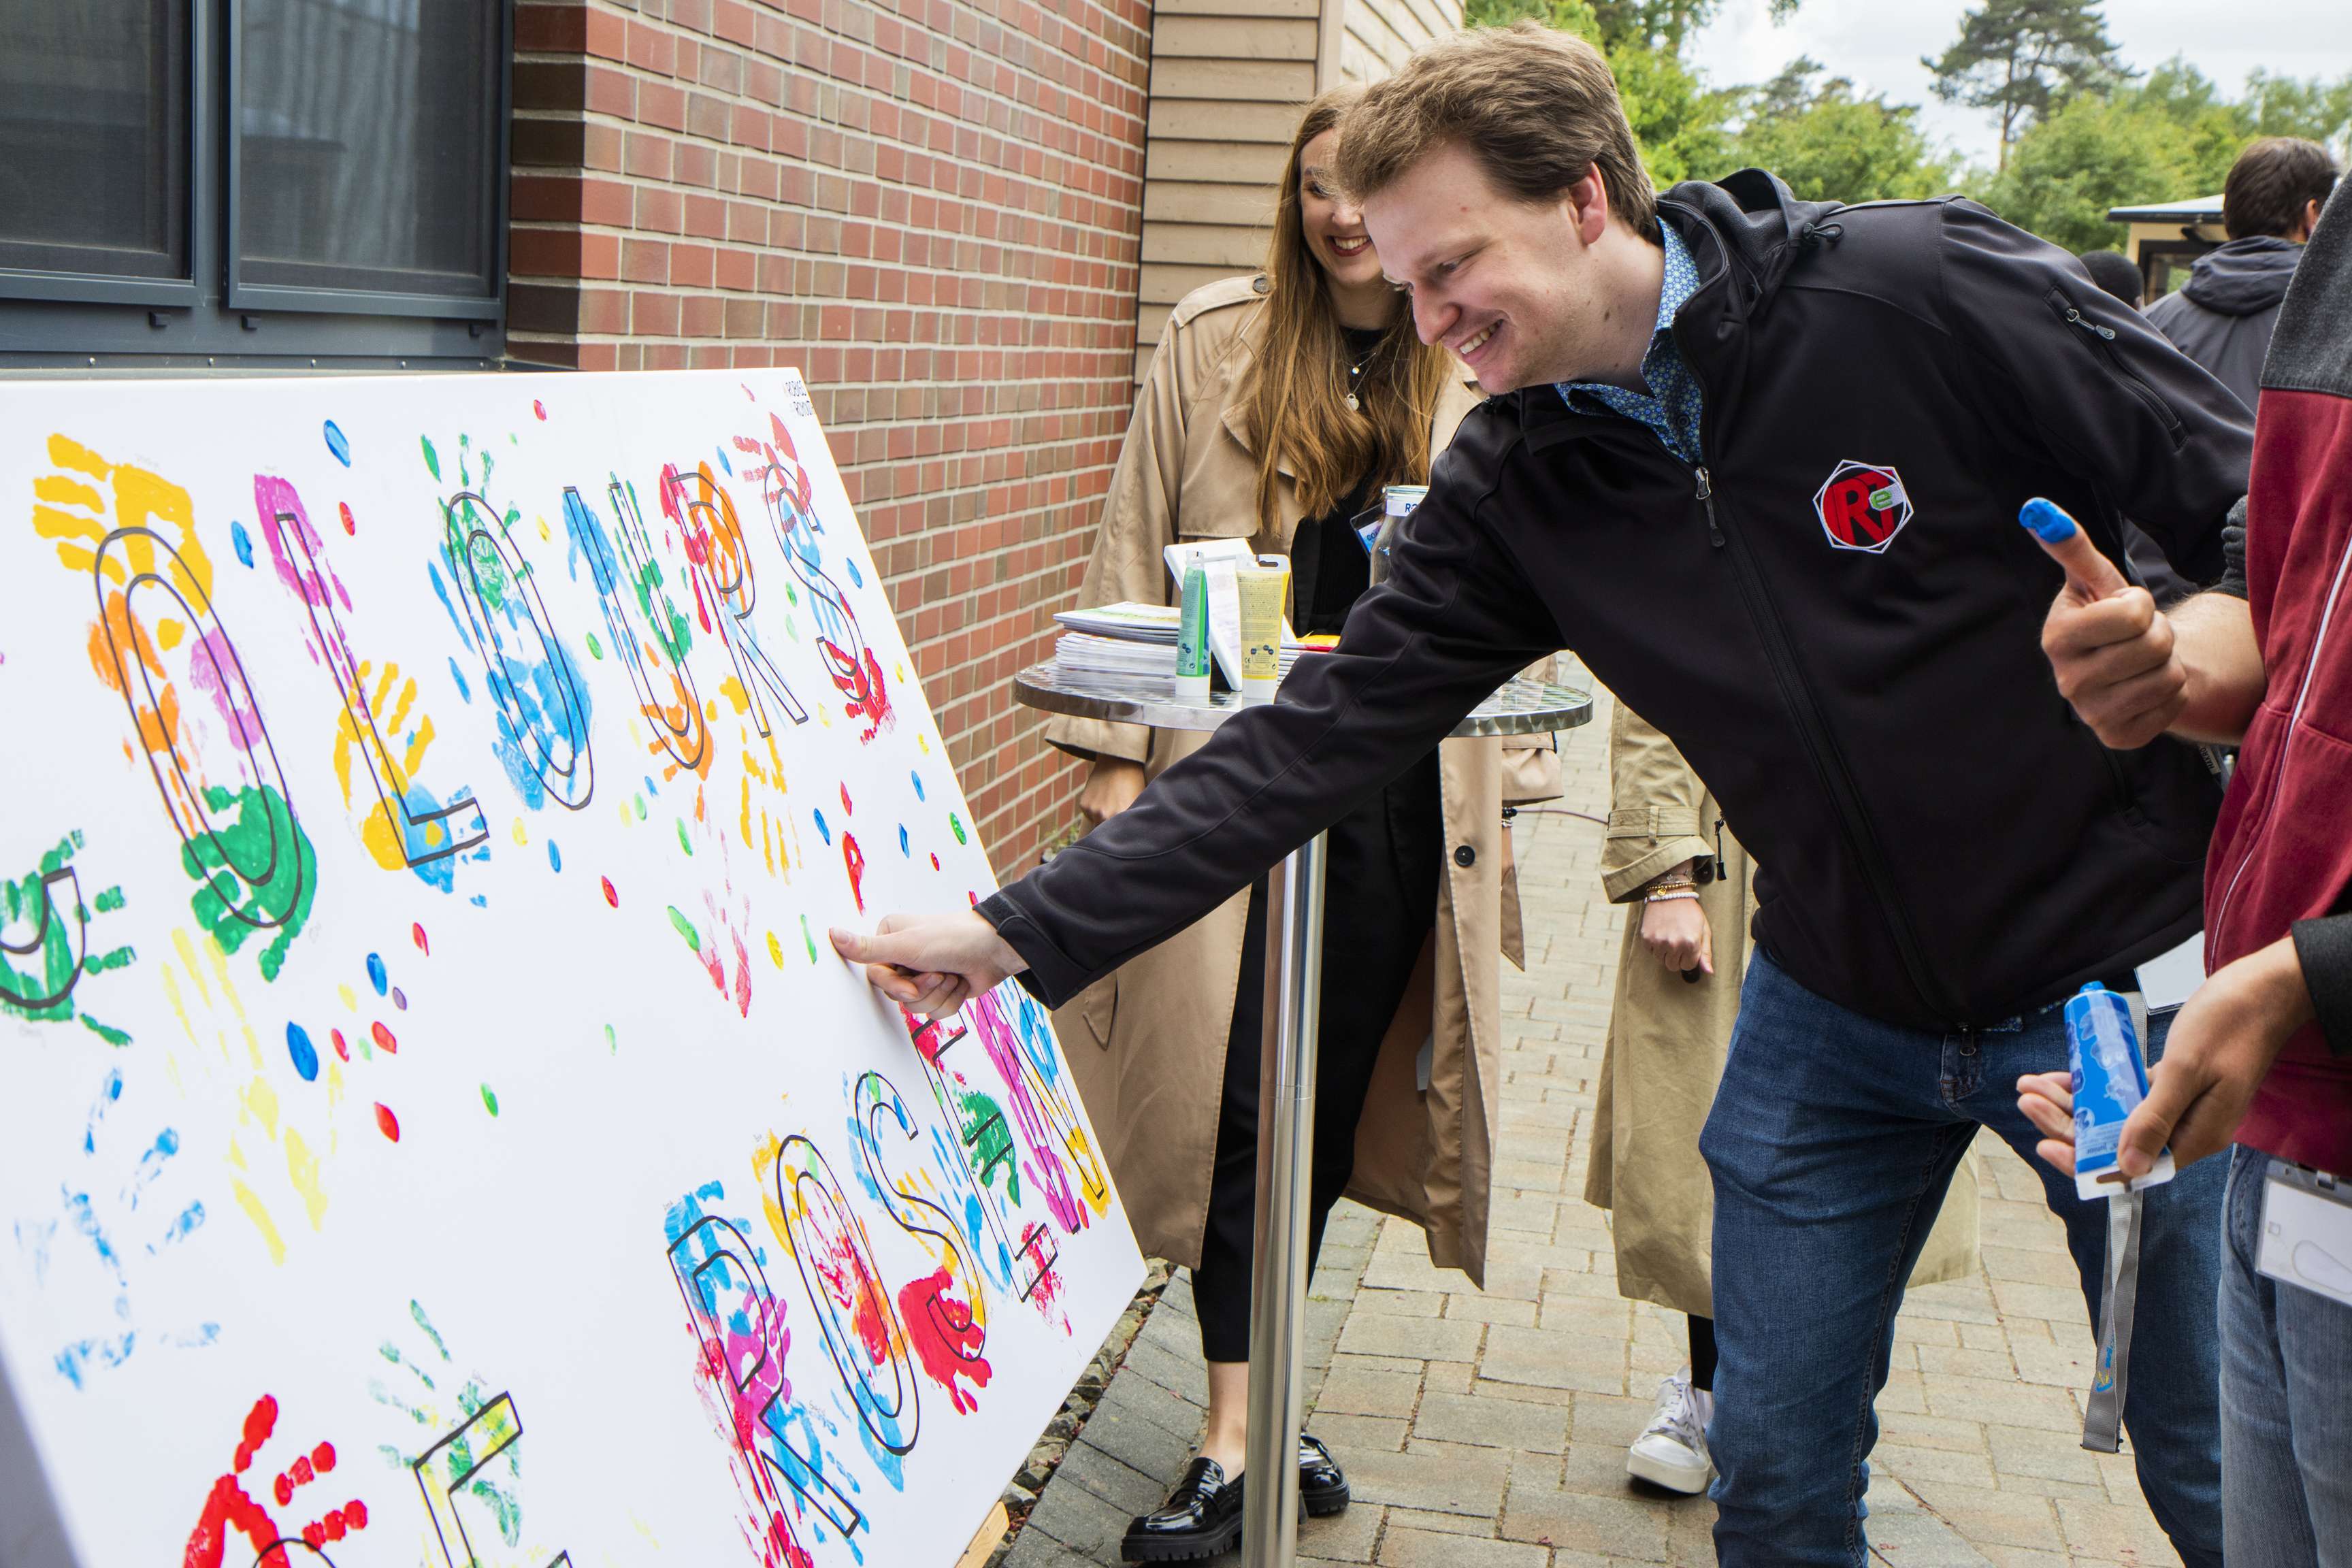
x=1193, y=635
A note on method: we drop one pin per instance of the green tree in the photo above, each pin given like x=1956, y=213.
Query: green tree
x=1568, y=16
x=1830, y=144
x=2024, y=59
x=2316, y=111
x=1677, y=121
x=2173, y=135
x=2092, y=155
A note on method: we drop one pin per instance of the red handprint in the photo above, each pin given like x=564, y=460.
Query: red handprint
x=230, y=1507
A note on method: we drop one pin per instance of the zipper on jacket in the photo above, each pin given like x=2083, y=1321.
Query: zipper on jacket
x=1706, y=499
x=1815, y=731
x=2103, y=339
x=2076, y=319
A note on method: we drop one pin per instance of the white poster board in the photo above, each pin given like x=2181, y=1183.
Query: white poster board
x=433, y=1126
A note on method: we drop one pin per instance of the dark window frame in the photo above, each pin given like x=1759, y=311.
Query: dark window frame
x=2168, y=257
x=239, y=295
x=115, y=288
x=213, y=317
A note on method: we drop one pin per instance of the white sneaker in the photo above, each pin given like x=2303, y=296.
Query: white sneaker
x=1672, y=1453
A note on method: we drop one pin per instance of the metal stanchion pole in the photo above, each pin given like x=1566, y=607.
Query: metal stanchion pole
x=1285, y=1146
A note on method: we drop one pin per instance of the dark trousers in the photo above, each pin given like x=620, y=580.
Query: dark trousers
x=1380, y=900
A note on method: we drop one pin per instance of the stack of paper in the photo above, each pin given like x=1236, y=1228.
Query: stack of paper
x=1085, y=654
x=1130, y=621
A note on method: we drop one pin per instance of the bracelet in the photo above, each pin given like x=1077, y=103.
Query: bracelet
x=1668, y=895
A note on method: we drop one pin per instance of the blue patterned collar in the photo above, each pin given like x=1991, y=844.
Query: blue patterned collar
x=1670, y=409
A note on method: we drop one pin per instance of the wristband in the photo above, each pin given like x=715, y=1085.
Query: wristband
x=1668, y=895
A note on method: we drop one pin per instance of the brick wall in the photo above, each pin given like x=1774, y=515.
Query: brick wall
x=932, y=207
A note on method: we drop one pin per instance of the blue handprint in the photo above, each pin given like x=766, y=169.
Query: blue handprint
x=102, y=1220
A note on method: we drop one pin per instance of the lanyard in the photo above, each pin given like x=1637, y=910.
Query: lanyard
x=2104, y=1412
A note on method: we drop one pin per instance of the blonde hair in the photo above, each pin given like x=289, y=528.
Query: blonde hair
x=1537, y=107
x=1294, y=391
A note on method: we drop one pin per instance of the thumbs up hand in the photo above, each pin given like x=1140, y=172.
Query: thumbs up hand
x=2111, y=649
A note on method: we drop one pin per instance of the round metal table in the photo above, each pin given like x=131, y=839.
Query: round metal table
x=1286, y=1143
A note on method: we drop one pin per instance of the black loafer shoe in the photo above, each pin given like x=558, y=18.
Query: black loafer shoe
x=1322, y=1484
x=1200, y=1517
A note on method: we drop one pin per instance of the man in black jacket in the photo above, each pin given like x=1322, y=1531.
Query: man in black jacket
x=2222, y=317
x=1759, y=462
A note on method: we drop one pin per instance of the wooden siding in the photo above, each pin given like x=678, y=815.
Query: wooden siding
x=1228, y=78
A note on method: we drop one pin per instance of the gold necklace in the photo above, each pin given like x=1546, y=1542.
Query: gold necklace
x=1354, y=370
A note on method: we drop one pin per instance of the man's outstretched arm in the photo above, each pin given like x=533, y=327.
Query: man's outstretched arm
x=1456, y=620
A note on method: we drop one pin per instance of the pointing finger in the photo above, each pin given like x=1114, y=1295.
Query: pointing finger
x=2093, y=574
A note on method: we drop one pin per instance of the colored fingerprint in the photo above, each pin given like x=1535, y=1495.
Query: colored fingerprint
x=339, y=444
x=242, y=543
x=376, y=974
x=304, y=1056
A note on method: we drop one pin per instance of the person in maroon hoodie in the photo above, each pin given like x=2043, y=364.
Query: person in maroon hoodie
x=2261, y=1056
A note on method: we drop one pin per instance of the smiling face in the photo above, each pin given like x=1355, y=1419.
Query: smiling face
x=1333, y=226
x=1524, y=292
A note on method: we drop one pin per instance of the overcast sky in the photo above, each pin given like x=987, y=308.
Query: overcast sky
x=1878, y=43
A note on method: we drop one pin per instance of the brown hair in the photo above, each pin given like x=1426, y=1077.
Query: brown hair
x=1294, y=391
x=2270, y=184
x=1537, y=107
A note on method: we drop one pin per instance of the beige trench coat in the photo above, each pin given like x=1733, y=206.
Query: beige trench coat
x=1147, y=1044
x=1668, y=1037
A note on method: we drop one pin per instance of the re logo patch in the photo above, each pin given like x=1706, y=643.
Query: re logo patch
x=1863, y=506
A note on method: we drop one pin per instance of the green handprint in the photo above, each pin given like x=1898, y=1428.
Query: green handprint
x=44, y=941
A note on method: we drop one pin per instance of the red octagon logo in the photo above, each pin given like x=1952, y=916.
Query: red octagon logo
x=1863, y=506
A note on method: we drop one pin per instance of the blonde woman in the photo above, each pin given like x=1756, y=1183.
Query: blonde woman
x=1275, y=410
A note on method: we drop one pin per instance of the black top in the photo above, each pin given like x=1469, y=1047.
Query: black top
x=1943, y=841
x=1329, y=565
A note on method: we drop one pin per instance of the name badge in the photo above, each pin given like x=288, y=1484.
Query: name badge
x=2166, y=980
x=2307, y=1236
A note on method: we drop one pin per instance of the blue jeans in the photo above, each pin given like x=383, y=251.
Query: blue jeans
x=2287, y=1400
x=1831, y=1142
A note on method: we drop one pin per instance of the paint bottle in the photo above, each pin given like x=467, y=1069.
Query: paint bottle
x=1263, y=586
x=1193, y=635
x=2110, y=1079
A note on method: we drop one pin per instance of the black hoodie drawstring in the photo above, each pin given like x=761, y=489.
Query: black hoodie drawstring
x=1814, y=233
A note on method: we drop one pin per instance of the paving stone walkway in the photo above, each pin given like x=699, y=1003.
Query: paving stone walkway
x=1488, y=1429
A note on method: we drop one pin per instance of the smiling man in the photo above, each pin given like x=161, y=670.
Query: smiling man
x=1759, y=462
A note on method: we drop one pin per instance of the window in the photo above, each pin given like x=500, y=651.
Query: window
x=94, y=116
x=267, y=180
